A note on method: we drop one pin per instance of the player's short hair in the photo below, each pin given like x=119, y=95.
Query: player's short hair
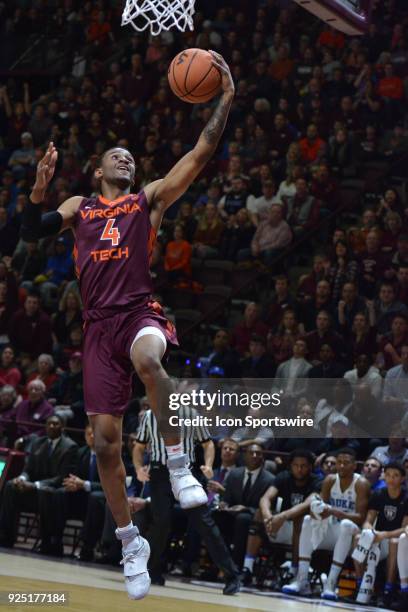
x=302, y=453
x=346, y=450
x=395, y=465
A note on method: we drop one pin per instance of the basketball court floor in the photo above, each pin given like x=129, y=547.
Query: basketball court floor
x=90, y=588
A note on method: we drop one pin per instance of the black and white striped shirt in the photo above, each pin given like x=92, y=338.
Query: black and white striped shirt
x=148, y=433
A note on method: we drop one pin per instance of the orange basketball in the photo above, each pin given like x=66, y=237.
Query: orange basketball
x=192, y=77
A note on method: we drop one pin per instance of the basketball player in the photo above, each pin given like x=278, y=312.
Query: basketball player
x=341, y=510
x=387, y=518
x=290, y=489
x=114, y=236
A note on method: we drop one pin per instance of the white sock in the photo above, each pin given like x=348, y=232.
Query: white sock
x=127, y=534
x=303, y=573
x=249, y=562
x=333, y=577
x=402, y=560
x=174, y=451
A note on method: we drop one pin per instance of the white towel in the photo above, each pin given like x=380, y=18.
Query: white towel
x=364, y=544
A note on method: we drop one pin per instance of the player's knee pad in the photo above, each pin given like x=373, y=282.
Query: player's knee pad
x=347, y=527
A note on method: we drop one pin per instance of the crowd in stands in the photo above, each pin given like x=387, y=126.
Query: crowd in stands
x=316, y=115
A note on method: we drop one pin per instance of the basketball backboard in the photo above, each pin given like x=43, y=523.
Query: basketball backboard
x=350, y=16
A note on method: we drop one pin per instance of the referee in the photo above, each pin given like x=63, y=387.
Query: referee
x=162, y=499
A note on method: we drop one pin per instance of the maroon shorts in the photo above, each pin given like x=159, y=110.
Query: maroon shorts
x=107, y=365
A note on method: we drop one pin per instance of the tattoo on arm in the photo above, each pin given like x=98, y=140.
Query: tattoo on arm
x=215, y=127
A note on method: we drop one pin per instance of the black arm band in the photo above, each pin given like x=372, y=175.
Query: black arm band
x=35, y=225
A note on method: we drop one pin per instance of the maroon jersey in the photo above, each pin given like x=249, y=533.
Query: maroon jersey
x=113, y=247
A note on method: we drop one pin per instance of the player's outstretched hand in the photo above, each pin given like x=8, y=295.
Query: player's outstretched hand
x=45, y=169
x=226, y=76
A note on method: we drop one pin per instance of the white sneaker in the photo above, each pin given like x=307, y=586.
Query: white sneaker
x=329, y=594
x=135, y=558
x=186, y=489
x=297, y=588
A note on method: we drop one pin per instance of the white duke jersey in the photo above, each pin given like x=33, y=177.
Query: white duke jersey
x=344, y=500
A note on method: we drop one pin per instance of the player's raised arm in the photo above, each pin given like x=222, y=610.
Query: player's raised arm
x=161, y=194
x=34, y=225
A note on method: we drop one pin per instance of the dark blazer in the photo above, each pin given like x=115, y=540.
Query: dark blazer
x=234, y=487
x=83, y=458
x=50, y=470
x=263, y=368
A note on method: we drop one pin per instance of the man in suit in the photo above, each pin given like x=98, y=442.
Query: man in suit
x=71, y=500
x=297, y=367
x=258, y=364
x=51, y=459
x=243, y=490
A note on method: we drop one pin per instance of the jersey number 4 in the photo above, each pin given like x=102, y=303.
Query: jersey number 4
x=111, y=233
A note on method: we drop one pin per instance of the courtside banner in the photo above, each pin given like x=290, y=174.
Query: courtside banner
x=266, y=409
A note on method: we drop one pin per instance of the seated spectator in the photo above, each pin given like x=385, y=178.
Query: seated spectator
x=339, y=436
x=395, y=450
x=6, y=312
x=30, y=328
x=328, y=366
x=9, y=372
x=390, y=87
x=237, y=235
x=281, y=300
x=177, y=259
x=396, y=380
x=32, y=412
x=243, y=490
x=259, y=208
x=365, y=372
x=289, y=489
x=280, y=137
x=70, y=501
x=45, y=371
x=324, y=334
x=22, y=160
x=250, y=324
x=393, y=226
x=302, y=209
x=234, y=199
x=213, y=194
x=297, y=367
x=9, y=230
x=270, y=239
x=309, y=310
x=390, y=202
x=73, y=345
x=28, y=264
x=357, y=235
x=402, y=287
x=350, y=304
x=222, y=356
x=343, y=269
x=68, y=315
x=372, y=471
x=340, y=153
x=68, y=393
x=312, y=147
x=361, y=339
x=387, y=307
x=372, y=265
x=280, y=342
x=287, y=188
x=324, y=188
x=51, y=459
x=59, y=268
x=259, y=364
x=367, y=416
x=8, y=401
x=308, y=283
x=186, y=219
x=400, y=257
x=391, y=344
x=337, y=402
x=208, y=234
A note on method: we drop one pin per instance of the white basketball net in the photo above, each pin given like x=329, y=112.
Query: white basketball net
x=159, y=15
